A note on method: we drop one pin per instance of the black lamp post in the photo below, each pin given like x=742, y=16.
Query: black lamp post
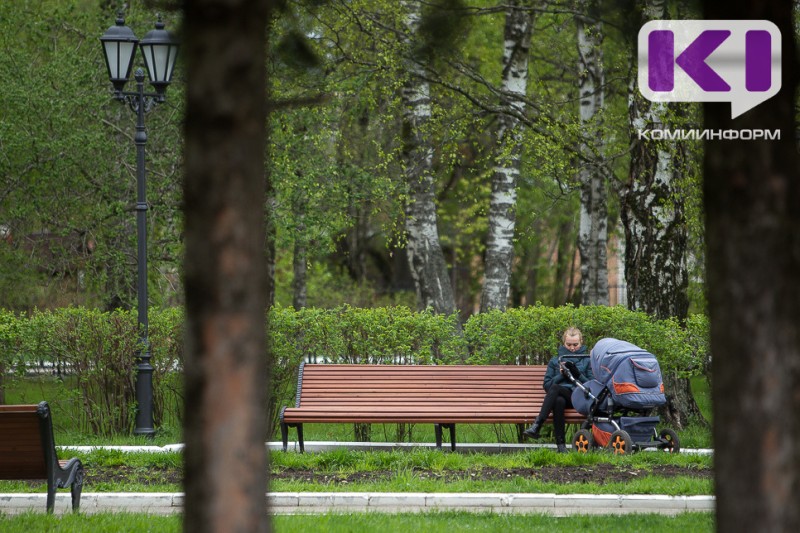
x=159, y=50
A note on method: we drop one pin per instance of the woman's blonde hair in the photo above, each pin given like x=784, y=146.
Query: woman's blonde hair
x=572, y=331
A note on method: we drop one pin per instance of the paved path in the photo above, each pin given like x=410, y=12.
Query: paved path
x=319, y=502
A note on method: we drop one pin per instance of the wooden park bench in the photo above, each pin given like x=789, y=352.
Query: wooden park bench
x=28, y=451
x=443, y=395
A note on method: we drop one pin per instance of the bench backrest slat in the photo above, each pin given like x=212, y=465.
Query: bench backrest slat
x=415, y=392
x=21, y=453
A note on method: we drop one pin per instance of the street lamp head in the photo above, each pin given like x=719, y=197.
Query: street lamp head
x=159, y=49
x=119, y=47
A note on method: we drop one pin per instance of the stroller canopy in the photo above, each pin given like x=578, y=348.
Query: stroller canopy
x=631, y=374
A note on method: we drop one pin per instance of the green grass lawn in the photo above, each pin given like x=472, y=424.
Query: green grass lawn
x=417, y=470
x=399, y=471
x=429, y=522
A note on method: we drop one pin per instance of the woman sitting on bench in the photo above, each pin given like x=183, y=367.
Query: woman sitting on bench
x=575, y=359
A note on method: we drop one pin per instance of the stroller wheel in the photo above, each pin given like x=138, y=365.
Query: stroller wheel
x=583, y=441
x=620, y=443
x=669, y=441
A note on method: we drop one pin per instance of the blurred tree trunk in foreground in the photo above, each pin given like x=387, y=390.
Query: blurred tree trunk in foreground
x=225, y=265
x=752, y=205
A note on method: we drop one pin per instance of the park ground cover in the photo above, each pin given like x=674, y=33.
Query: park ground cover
x=415, y=470
x=419, y=470
x=348, y=522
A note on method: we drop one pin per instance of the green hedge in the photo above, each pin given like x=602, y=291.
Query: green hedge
x=97, y=348
x=531, y=335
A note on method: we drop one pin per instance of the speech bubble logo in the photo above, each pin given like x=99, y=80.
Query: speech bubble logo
x=736, y=61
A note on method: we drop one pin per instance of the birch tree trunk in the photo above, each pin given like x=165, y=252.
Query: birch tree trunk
x=752, y=207
x=656, y=233
x=503, y=202
x=593, y=231
x=426, y=260
x=225, y=266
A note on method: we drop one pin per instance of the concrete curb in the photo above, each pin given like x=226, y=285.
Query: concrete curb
x=388, y=502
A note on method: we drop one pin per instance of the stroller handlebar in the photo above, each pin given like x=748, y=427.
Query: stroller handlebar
x=567, y=374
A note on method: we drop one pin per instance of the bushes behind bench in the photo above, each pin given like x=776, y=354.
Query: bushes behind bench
x=97, y=348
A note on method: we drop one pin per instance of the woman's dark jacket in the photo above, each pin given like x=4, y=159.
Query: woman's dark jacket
x=553, y=375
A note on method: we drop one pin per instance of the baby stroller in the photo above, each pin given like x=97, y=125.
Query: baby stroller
x=627, y=386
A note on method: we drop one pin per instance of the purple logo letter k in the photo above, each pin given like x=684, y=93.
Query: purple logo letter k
x=692, y=60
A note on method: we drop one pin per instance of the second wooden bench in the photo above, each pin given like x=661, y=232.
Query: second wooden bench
x=443, y=395
x=28, y=451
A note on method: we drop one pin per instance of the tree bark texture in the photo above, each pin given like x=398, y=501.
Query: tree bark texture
x=426, y=260
x=224, y=46
x=503, y=201
x=752, y=208
x=656, y=233
x=564, y=255
x=651, y=211
x=593, y=230
x=300, y=269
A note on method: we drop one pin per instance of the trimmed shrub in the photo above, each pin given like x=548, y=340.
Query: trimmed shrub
x=98, y=348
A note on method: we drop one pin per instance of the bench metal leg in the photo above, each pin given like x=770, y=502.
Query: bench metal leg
x=51, y=495
x=438, y=430
x=76, y=488
x=285, y=435
x=452, y=436
x=300, y=437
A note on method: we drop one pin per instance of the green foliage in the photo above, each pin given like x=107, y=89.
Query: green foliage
x=68, y=159
x=531, y=335
x=99, y=348
x=334, y=154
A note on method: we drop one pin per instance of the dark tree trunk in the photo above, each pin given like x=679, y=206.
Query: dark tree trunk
x=269, y=240
x=300, y=256
x=362, y=432
x=564, y=255
x=225, y=267
x=532, y=270
x=300, y=269
x=354, y=246
x=752, y=208
x=656, y=234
